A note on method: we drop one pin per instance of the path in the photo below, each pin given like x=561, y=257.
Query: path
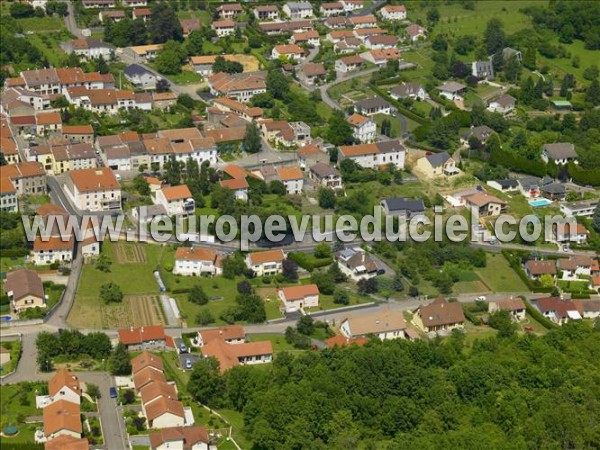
x=70, y=22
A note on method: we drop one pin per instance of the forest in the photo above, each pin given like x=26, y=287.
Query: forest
x=517, y=392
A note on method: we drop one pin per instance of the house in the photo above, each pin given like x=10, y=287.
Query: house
x=53, y=249
x=554, y=191
x=331, y=9
x=149, y=213
x=298, y=10
x=312, y=73
x=62, y=418
x=348, y=64
x=78, y=133
x=373, y=105
x=8, y=196
x=266, y=263
x=560, y=153
x=292, y=178
x=296, y=298
x=311, y=38
x=408, y=90
x=377, y=155
x=486, y=204
x=339, y=35
x=24, y=289
x=384, y=325
x=230, y=334
x=291, y=52
x=134, y=3
x=142, y=13
x=589, y=309
x=164, y=412
x=90, y=247
x=204, y=64
x=483, y=69
x=241, y=86
x=152, y=392
x=224, y=27
x=93, y=189
x=163, y=100
x=326, y=176
x=342, y=341
x=192, y=438
x=197, y=261
x=64, y=385
x=393, y=12
x=266, y=12
x=140, y=77
x=89, y=48
x=229, y=10
x=239, y=186
x=505, y=104
x=145, y=338
x=177, y=200
x=436, y=165
x=111, y=16
x=277, y=28
x=416, y=32
x=381, y=41
x=537, y=268
x=144, y=360
x=356, y=263
x=584, y=208
x=26, y=178
x=365, y=129
x=278, y=131
x=311, y=154
x=231, y=355
x=363, y=21
x=48, y=122
x=529, y=186
x=575, y=267
x=403, y=207
x=99, y=3
x=352, y=5
x=363, y=33
x=509, y=185
x=380, y=57
x=508, y=53
x=452, y=90
x=143, y=53
x=514, y=305
x=557, y=310
x=439, y=315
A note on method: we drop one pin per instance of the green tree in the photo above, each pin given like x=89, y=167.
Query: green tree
x=290, y=270
x=103, y=263
x=277, y=84
x=197, y=295
x=327, y=198
x=341, y=297
x=339, y=131
x=592, y=94
x=206, y=384
x=322, y=250
x=21, y=10
x=172, y=171
x=93, y=390
x=494, y=36
x=591, y=72
x=195, y=43
x=305, y=325
x=336, y=273
x=502, y=321
x=204, y=317
x=252, y=142
x=324, y=281
x=141, y=185
x=164, y=24
x=111, y=293
x=170, y=57
x=596, y=218
x=119, y=363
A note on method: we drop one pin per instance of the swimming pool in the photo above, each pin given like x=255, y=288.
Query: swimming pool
x=5, y=318
x=540, y=202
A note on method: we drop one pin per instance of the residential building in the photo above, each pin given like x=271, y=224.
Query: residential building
x=134, y=3
x=266, y=263
x=62, y=418
x=509, y=52
x=241, y=86
x=380, y=57
x=356, y=263
x=231, y=355
x=439, y=316
x=291, y=52
x=560, y=153
x=514, y=305
x=312, y=73
x=197, y=261
x=575, y=267
x=48, y=122
x=78, y=133
x=377, y=155
x=365, y=129
x=529, y=186
x=150, y=337
x=8, y=196
x=556, y=192
x=408, y=90
x=89, y=48
x=177, y=200
x=311, y=154
x=483, y=69
x=509, y=185
x=486, y=204
x=538, y=268
x=230, y=334
x=363, y=21
x=583, y=208
x=310, y=38
x=111, y=16
x=352, y=5
x=204, y=64
x=372, y=106
x=229, y=10
x=589, y=309
x=225, y=27
x=436, y=165
x=384, y=325
x=24, y=290
x=64, y=385
x=505, y=104
x=192, y=438
x=296, y=298
x=266, y=12
x=416, y=32
x=140, y=77
x=239, y=186
x=298, y=10
x=331, y=9
x=277, y=28
x=348, y=64
x=99, y=3
x=143, y=53
x=403, y=207
x=381, y=41
x=164, y=412
x=452, y=90
x=16, y=180
x=326, y=176
x=557, y=310
x=342, y=341
x=144, y=360
x=292, y=178
x=50, y=250
x=141, y=13
x=163, y=100
x=93, y=189
x=363, y=33
x=393, y=12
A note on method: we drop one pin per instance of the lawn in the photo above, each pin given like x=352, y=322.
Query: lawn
x=7, y=263
x=562, y=66
x=394, y=121
x=477, y=332
x=15, y=352
x=88, y=311
x=499, y=276
x=469, y=287
x=187, y=76
x=277, y=340
x=17, y=402
x=49, y=48
x=38, y=24
x=204, y=16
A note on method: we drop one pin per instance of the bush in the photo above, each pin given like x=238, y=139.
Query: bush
x=341, y=297
x=533, y=312
x=204, y=317
x=266, y=279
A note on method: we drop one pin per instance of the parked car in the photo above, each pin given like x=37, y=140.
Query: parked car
x=182, y=348
x=188, y=364
x=113, y=392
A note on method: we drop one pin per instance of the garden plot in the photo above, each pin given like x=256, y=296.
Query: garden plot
x=129, y=254
x=135, y=311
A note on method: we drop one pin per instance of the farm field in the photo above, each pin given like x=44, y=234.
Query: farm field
x=134, y=311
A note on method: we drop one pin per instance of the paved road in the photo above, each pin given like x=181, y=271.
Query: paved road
x=348, y=76
x=70, y=22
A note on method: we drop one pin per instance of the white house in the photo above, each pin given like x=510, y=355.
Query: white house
x=239, y=186
x=54, y=249
x=348, y=64
x=93, y=189
x=365, y=129
x=62, y=418
x=375, y=155
x=296, y=298
x=560, y=153
x=306, y=37
x=372, y=106
x=292, y=178
x=383, y=325
x=575, y=267
x=298, y=10
x=292, y=52
x=452, y=90
x=265, y=263
x=505, y=104
x=514, y=305
x=64, y=385
x=197, y=261
x=331, y=9
x=356, y=263
x=177, y=200
x=408, y=90
x=224, y=27
x=141, y=77
x=584, y=208
x=164, y=413
x=266, y=12
x=180, y=438
x=393, y=12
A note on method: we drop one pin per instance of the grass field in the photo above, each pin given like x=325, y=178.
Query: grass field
x=17, y=402
x=499, y=276
x=187, y=76
x=38, y=24
x=49, y=48
x=277, y=340
x=563, y=66
x=204, y=16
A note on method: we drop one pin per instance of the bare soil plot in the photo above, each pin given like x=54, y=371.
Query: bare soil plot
x=129, y=254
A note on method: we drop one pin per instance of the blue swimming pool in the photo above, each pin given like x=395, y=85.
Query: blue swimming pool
x=540, y=202
x=5, y=318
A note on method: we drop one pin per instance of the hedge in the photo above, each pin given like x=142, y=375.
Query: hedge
x=15, y=252
x=533, y=312
x=405, y=112
x=516, y=266
x=591, y=177
x=309, y=262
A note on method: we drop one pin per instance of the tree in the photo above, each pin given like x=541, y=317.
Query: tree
x=336, y=273
x=290, y=269
x=324, y=282
x=322, y=250
x=592, y=94
x=494, y=36
x=367, y=286
x=162, y=85
x=512, y=69
x=251, y=308
x=205, y=384
x=140, y=184
x=277, y=84
x=341, y=297
x=103, y=263
x=339, y=131
x=59, y=8
x=596, y=218
x=252, y=142
x=172, y=170
x=20, y=10
x=186, y=101
x=502, y=321
x=204, y=317
x=195, y=43
x=93, y=390
x=439, y=43
x=530, y=58
x=591, y=72
x=223, y=65
x=164, y=24
x=128, y=396
x=305, y=325
x=277, y=187
x=433, y=16
x=197, y=295
x=244, y=287
x=119, y=362
x=327, y=199
x=170, y=57
x=111, y=293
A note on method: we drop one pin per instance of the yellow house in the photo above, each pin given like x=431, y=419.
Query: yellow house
x=25, y=289
x=436, y=165
x=439, y=315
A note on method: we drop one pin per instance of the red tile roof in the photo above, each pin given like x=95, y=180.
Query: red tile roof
x=131, y=336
